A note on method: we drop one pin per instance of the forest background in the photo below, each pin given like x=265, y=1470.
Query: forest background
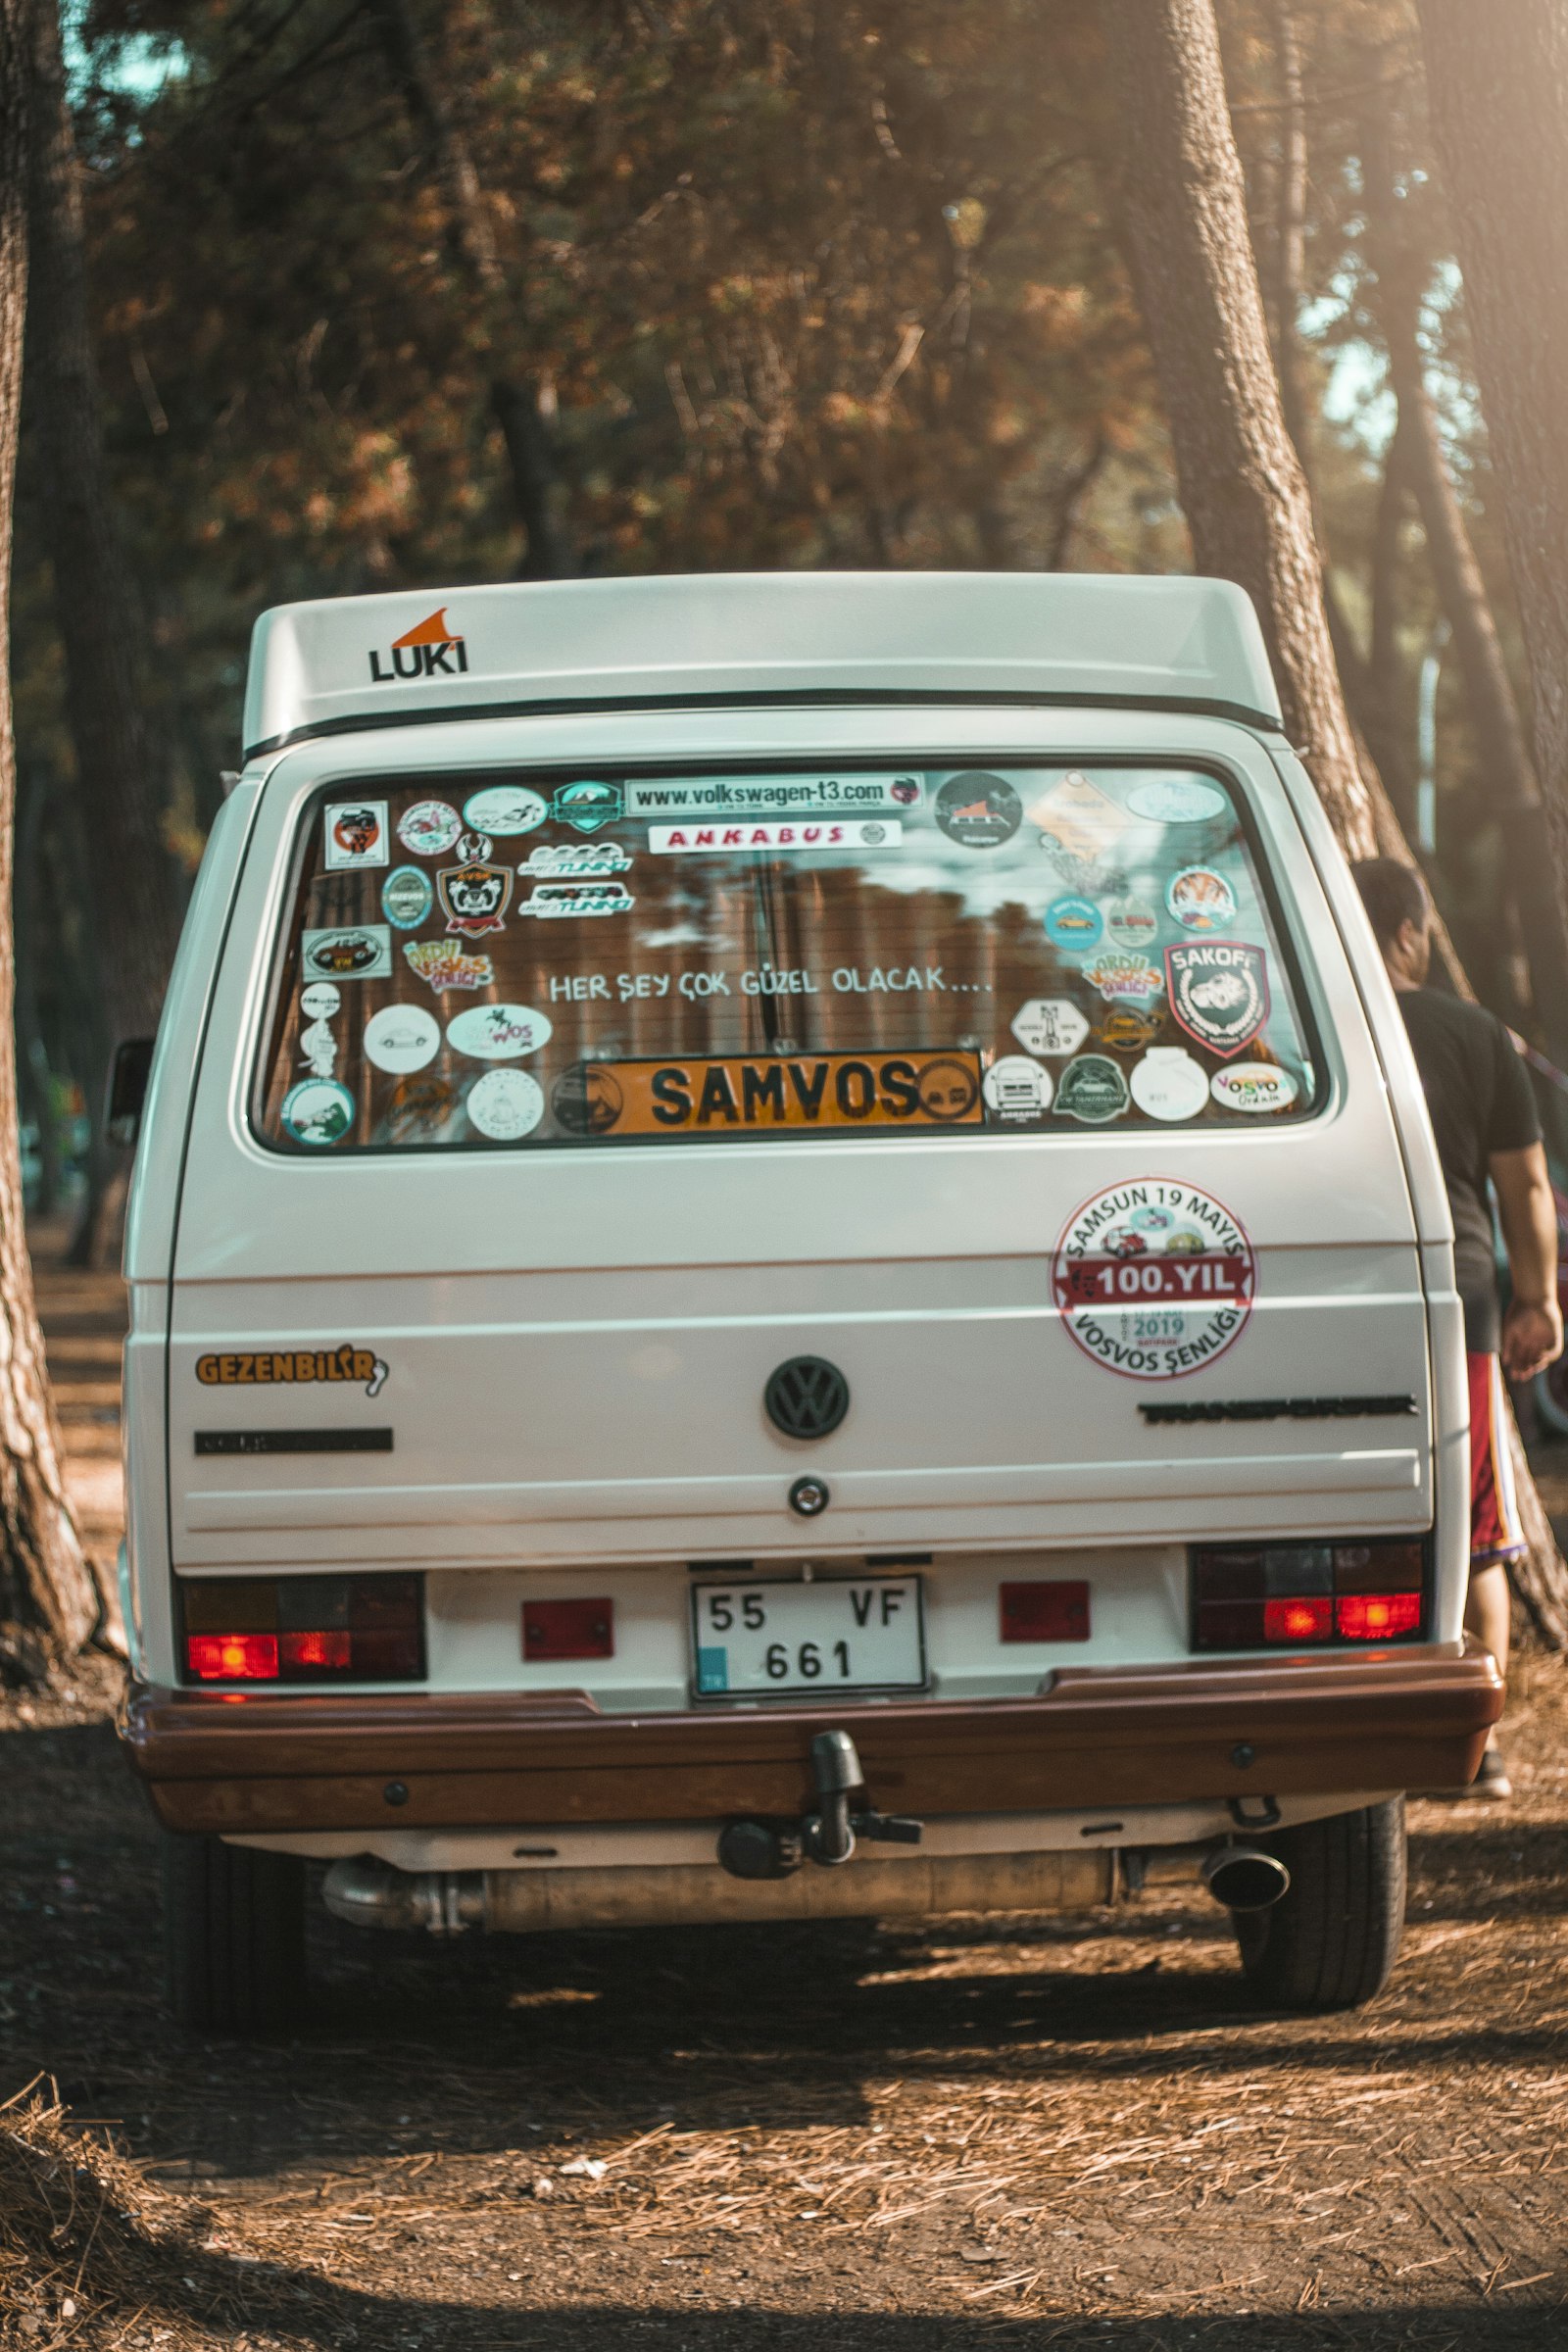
x=416, y=292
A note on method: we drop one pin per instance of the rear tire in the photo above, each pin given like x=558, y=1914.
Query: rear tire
x=234, y=1935
x=1332, y=1940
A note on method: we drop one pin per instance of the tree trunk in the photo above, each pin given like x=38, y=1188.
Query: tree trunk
x=520, y=405
x=122, y=764
x=48, y=1604
x=1497, y=78
x=1242, y=484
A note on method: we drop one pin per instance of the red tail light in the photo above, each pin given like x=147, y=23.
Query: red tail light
x=1303, y=1595
x=1377, y=1616
x=569, y=1628
x=232, y=1657
x=1044, y=1612
x=304, y=1628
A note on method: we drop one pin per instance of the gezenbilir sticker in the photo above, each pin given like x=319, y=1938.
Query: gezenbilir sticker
x=740, y=1095
x=1153, y=1279
x=1092, y=1088
x=1218, y=992
x=267, y=1366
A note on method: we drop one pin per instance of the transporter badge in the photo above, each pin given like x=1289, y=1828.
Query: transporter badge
x=1153, y=1279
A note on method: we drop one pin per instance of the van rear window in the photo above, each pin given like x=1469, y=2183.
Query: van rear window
x=532, y=960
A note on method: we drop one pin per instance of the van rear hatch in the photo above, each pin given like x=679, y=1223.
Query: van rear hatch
x=569, y=1079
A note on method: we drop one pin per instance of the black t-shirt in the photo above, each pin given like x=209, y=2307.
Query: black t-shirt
x=1478, y=1093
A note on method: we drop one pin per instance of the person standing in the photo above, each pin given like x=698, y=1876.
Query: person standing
x=1486, y=1126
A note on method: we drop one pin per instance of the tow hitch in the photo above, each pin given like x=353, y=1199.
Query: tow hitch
x=773, y=1848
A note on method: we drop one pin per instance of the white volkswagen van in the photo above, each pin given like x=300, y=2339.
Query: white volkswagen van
x=785, y=1261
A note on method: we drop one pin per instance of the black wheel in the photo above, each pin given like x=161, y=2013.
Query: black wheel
x=1332, y=1940
x=234, y=1935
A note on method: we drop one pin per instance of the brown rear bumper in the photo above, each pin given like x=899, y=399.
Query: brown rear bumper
x=1399, y=1719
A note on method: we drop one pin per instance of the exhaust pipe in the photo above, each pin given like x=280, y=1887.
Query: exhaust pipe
x=1245, y=1878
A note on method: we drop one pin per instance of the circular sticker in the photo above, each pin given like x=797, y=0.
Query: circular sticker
x=419, y=1112
x=587, y=1100
x=1092, y=1088
x=318, y=1110
x=428, y=828
x=1168, y=1084
x=1074, y=923
x=1129, y=1029
x=402, y=1038
x=1254, y=1086
x=1131, y=923
x=1202, y=900
x=1153, y=1280
x=321, y=999
x=1049, y=1026
x=505, y=1103
x=1176, y=801
x=504, y=810
x=978, y=812
x=1018, y=1089
x=947, y=1089
x=497, y=1032
x=406, y=897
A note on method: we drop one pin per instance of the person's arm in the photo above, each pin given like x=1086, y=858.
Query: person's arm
x=1526, y=1210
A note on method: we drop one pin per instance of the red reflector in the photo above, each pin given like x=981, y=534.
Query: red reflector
x=1309, y=1619
x=1044, y=1612
x=569, y=1628
x=327, y=1649
x=232, y=1657
x=1376, y=1616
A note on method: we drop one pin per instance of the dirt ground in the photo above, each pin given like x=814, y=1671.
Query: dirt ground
x=995, y=2132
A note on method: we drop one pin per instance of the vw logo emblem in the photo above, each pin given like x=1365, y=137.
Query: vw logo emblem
x=807, y=1398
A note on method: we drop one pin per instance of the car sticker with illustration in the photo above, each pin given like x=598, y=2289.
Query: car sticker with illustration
x=1153, y=1279
x=428, y=828
x=352, y=951
x=355, y=835
x=1092, y=1090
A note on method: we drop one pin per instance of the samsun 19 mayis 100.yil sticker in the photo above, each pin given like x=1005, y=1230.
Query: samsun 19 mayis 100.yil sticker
x=1153, y=1280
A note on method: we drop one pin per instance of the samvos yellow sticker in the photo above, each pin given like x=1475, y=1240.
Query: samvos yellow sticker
x=695, y=1096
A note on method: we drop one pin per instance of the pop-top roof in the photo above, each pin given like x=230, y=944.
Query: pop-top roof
x=725, y=637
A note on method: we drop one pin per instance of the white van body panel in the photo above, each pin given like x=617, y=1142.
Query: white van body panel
x=576, y=1341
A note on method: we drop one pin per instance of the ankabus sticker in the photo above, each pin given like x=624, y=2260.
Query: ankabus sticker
x=1152, y=1279
x=266, y=1367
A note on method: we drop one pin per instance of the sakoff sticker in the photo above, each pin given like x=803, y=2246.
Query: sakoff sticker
x=1168, y=1084
x=1049, y=1026
x=1018, y=1089
x=1153, y=1279
x=428, y=828
x=402, y=1038
x=1257, y=1087
x=503, y=1104
x=497, y=1032
x=1218, y=992
x=356, y=835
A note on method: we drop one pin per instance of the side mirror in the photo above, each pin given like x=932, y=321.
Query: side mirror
x=127, y=1089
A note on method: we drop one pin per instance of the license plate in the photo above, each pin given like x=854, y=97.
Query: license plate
x=780, y=1641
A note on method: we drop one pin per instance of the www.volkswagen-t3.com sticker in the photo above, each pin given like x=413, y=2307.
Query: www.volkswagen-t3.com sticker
x=1218, y=992
x=1153, y=1279
x=262, y=1367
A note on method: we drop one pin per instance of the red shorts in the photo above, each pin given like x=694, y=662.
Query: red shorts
x=1495, y=1530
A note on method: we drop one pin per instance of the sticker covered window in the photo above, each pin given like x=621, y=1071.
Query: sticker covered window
x=547, y=960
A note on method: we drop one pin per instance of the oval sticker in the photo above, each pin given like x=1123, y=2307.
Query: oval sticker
x=1176, y=801
x=497, y=1032
x=1254, y=1086
x=429, y=827
x=406, y=897
x=504, y=809
x=1153, y=1279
